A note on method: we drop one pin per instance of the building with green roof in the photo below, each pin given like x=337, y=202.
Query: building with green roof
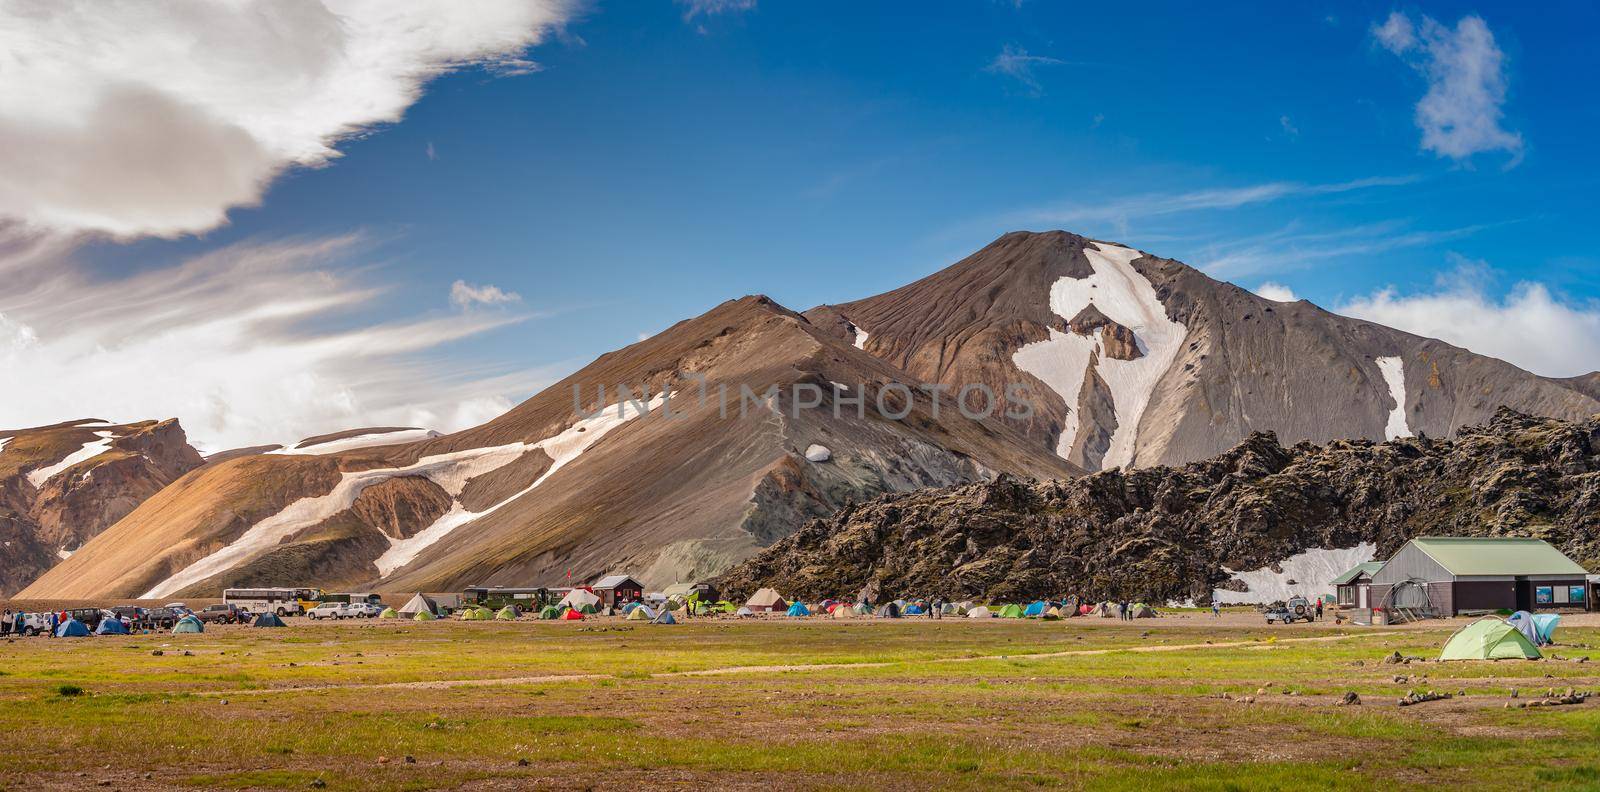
x=1352, y=588
x=1449, y=575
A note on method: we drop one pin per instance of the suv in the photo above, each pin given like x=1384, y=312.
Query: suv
x=364, y=610
x=330, y=610
x=226, y=613
x=161, y=618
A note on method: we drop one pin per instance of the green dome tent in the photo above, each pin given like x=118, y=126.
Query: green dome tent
x=268, y=619
x=389, y=613
x=640, y=613
x=664, y=618
x=188, y=624
x=476, y=614
x=1012, y=611
x=550, y=612
x=1489, y=638
x=424, y=616
x=587, y=608
x=507, y=613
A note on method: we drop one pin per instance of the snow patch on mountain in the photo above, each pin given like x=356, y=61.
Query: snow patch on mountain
x=369, y=440
x=1061, y=362
x=4, y=440
x=1309, y=574
x=1394, y=375
x=861, y=337
x=90, y=450
x=450, y=471
x=562, y=449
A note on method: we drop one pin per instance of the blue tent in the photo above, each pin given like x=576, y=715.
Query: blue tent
x=188, y=624
x=914, y=610
x=799, y=609
x=72, y=628
x=1036, y=609
x=1545, y=625
x=665, y=618
x=268, y=619
x=110, y=626
x=628, y=608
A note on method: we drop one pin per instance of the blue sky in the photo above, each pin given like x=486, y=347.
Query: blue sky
x=665, y=156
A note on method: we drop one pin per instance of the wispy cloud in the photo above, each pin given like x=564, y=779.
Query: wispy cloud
x=1015, y=62
x=1289, y=249
x=1121, y=211
x=253, y=343
x=1528, y=325
x=695, y=8
x=1273, y=290
x=1462, y=111
x=163, y=132
x=1288, y=126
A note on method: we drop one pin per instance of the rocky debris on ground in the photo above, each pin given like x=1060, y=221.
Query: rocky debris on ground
x=1413, y=697
x=1350, y=699
x=1552, y=698
x=1159, y=534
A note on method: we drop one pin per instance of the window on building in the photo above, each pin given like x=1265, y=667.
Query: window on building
x=1544, y=595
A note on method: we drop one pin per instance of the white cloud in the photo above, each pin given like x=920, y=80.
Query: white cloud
x=1276, y=292
x=1016, y=63
x=1461, y=113
x=1527, y=326
x=694, y=8
x=136, y=119
x=249, y=344
x=1288, y=126
x=464, y=295
x=1290, y=248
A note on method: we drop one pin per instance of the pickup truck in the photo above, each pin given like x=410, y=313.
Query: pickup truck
x=225, y=614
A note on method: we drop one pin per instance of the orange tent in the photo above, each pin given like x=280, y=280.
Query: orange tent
x=573, y=614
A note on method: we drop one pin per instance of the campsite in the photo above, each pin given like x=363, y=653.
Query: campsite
x=1184, y=699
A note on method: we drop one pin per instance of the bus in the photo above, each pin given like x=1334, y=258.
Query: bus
x=282, y=601
x=497, y=597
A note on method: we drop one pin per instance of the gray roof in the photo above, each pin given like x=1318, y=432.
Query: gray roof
x=1500, y=555
x=612, y=581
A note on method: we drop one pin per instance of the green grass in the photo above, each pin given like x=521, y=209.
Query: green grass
x=255, y=709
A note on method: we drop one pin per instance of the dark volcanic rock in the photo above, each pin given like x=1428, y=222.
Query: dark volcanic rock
x=1165, y=533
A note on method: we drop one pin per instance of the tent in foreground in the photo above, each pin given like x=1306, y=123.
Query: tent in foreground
x=419, y=604
x=389, y=613
x=842, y=611
x=188, y=624
x=579, y=598
x=424, y=616
x=72, y=628
x=550, y=612
x=572, y=615
x=110, y=626
x=268, y=619
x=665, y=618
x=1011, y=612
x=799, y=609
x=889, y=611
x=1143, y=611
x=1036, y=608
x=980, y=612
x=768, y=600
x=744, y=612
x=1489, y=638
x=507, y=613
x=640, y=613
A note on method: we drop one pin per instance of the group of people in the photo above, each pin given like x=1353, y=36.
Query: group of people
x=18, y=622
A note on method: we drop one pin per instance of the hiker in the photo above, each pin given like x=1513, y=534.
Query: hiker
x=1216, y=612
x=1319, y=609
x=1127, y=611
x=5, y=623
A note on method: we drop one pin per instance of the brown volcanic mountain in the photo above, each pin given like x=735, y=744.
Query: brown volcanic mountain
x=62, y=485
x=544, y=489
x=1147, y=361
x=1164, y=533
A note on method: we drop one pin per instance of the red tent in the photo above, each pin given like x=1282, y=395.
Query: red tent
x=573, y=614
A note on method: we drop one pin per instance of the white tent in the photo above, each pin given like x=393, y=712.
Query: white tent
x=767, y=600
x=980, y=612
x=577, y=598
x=419, y=604
x=743, y=612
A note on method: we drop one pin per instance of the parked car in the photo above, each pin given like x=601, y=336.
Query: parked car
x=89, y=616
x=34, y=624
x=330, y=610
x=135, y=617
x=161, y=618
x=225, y=613
x=179, y=608
x=364, y=610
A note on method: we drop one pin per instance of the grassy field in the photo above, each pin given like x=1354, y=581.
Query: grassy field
x=1178, y=702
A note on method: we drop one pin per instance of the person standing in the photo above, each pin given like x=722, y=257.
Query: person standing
x=5, y=623
x=1216, y=610
x=1319, y=609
